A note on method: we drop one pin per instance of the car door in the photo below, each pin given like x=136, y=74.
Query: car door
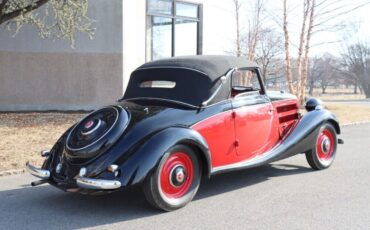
x=255, y=126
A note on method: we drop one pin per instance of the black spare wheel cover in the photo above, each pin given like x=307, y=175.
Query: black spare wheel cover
x=97, y=132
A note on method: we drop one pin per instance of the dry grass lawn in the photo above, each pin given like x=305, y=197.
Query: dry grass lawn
x=24, y=135
x=337, y=94
x=349, y=113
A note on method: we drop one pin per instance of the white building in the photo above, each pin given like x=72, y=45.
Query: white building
x=39, y=74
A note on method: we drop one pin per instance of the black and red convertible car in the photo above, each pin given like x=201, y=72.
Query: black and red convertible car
x=183, y=119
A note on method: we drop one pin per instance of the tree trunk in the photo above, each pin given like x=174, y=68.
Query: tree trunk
x=299, y=86
x=355, y=89
x=310, y=92
x=307, y=50
x=238, y=46
x=254, y=33
x=264, y=75
x=361, y=89
x=323, y=89
x=287, y=53
x=366, y=89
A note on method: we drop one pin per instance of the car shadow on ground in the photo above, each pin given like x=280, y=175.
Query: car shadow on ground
x=45, y=206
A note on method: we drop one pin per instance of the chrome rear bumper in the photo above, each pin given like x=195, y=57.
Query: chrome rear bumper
x=37, y=172
x=82, y=182
x=97, y=184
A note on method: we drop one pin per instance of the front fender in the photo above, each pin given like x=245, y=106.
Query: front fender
x=299, y=140
x=147, y=157
x=304, y=134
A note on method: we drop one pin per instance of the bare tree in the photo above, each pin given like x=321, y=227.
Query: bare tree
x=318, y=16
x=324, y=72
x=237, y=6
x=356, y=65
x=307, y=50
x=52, y=18
x=254, y=29
x=287, y=48
x=315, y=73
x=302, y=43
x=268, y=51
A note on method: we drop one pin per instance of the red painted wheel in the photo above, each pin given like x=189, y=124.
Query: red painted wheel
x=324, y=151
x=325, y=145
x=176, y=179
x=176, y=175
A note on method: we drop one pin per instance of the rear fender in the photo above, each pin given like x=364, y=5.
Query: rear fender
x=145, y=160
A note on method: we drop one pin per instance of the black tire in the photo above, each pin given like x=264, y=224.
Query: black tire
x=152, y=186
x=321, y=156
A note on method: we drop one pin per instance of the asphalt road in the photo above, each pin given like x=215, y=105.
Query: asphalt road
x=284, y=195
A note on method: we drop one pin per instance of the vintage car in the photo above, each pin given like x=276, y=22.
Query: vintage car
x=183, y=119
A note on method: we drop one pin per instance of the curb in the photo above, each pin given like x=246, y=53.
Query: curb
x=12, y=172
x=356, y=123
x=22, y=171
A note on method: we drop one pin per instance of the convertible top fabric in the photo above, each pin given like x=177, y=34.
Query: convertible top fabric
x=214, y=66
x=196, y=77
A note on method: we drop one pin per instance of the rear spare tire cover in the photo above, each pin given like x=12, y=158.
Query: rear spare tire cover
x=96, y=133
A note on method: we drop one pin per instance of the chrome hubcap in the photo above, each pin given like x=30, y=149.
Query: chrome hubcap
x=91, y=126
x=325, y=145
x=177, y=176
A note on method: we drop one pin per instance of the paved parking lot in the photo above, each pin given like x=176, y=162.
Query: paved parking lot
x=284, y=195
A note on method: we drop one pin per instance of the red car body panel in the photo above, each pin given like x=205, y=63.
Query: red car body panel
x=219, y=133
x=256, y=130
x=245, y=133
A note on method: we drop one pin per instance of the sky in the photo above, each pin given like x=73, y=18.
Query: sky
x=221, y=12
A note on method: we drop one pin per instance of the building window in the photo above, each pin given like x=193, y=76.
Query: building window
x=174, y=28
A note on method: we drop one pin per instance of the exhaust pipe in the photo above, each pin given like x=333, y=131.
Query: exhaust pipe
x=39, y=182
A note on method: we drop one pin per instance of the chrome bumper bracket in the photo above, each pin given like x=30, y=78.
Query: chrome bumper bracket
x=37, y=172
x=97, y=184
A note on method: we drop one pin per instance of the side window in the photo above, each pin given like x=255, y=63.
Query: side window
x=245, y=81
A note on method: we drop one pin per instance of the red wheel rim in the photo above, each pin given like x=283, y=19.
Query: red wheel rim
x=325, y=145
x=176, y=175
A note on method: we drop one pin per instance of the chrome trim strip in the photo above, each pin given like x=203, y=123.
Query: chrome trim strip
x=228, y=75
x=37, y=172
x=97, y=184
x=238, y=165
x=205, y=103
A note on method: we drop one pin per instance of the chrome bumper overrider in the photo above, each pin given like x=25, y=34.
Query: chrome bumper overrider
x=82, y=182
x=37, y=172
x=97, y=184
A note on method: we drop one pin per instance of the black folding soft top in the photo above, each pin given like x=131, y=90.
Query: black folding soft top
x=195, y=78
